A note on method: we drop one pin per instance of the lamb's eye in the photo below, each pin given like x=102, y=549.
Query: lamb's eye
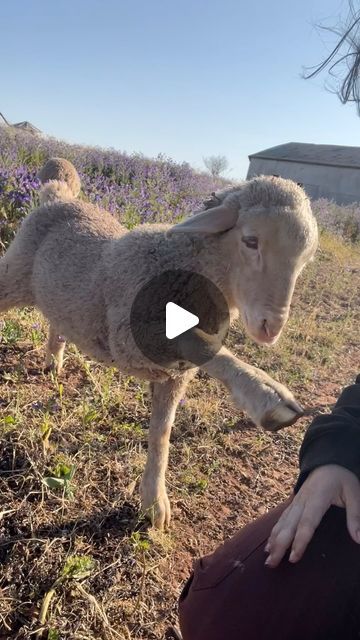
x=250, y=241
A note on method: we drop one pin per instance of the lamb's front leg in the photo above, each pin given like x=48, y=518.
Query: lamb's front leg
x=268, y=403
x=165, y=399
x=54, y=351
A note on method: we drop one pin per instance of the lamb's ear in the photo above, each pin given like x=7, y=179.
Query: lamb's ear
x=213, y=220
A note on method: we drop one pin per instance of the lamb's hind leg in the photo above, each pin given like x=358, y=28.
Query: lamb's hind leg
x=14, y=284
x=15, y=291
x=165, y=399
x=54, y=351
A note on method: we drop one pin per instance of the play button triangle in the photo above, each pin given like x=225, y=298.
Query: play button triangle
x=178, y=320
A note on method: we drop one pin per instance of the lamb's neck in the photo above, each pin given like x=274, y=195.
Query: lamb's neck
x=215, y=259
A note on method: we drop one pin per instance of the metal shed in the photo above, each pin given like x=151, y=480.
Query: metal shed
x=23, y=126
x=324, y=170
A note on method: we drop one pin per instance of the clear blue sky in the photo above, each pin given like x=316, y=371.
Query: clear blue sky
x=188, y=78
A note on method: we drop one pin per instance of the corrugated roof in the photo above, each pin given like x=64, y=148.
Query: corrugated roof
x=27, y=126
x=323, y=154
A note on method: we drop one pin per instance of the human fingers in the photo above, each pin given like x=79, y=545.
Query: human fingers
x=314, y=510
x=283, y=533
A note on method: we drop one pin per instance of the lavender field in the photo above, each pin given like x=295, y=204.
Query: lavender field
x=342, y=221
x=134, y=188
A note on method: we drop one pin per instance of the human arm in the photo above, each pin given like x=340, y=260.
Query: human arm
x=329, y=475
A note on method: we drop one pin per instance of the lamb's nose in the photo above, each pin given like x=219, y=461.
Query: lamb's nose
x=266, y=329
x=269, y=332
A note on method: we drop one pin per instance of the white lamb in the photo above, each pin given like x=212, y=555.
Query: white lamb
x=82, y=269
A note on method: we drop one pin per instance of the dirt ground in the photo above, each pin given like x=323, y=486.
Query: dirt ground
x=72, y=450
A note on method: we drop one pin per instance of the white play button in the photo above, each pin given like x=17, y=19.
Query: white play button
x=178, y=320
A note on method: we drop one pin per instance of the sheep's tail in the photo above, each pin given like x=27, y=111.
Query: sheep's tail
x=54, y=190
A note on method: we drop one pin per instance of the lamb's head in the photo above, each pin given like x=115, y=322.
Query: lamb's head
x=267, y=234
x=58, y=171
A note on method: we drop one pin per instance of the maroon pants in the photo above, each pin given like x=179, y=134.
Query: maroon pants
x=233, y=596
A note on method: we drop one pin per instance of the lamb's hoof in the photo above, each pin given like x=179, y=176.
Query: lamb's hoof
x=156, y=508
x=53, y=367
x=283, y=415
x=49, y=368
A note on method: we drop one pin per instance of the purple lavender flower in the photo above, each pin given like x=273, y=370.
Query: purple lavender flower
x=134, y=188
x=37, y=406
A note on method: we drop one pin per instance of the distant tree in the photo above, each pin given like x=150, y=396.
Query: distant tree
x=216, y=165
x=343, y=63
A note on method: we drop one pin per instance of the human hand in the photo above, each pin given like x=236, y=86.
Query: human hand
x=325, y=486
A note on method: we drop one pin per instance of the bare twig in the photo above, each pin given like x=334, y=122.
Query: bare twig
x=344, y=58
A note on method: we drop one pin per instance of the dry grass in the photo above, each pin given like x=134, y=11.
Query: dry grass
x=87, y=430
